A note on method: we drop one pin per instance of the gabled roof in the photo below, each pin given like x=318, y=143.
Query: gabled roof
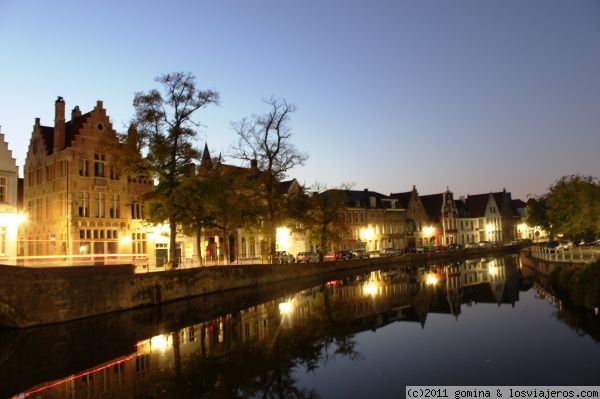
x=403, y=198
x=359, y=199
x=433, y=205
x=463, y=210
x=477, y=204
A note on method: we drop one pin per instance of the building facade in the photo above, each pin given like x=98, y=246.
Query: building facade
x=81, y=208
x=10, y=218
x=418, y=229
x=372, y=221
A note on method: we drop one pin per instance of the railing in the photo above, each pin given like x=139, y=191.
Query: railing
x=572, y=255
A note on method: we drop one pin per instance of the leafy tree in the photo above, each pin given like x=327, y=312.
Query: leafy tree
x=265, y=139
x=573, y=206
x=537, y=209
x=323, y=217
x=166, y=128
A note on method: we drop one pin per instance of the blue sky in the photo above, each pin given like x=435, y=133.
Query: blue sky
x=472, y=94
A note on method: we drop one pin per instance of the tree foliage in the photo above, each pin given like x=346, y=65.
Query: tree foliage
x=323, y=218
x=166, y=127
x=571, y=207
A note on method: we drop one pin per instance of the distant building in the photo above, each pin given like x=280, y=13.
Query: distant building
x=9, y=212
x=418, y=229
x=373, y=221
x=485, y=218
x=443, y=217
x=80, y=206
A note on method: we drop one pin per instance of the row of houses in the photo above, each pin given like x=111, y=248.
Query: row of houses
x=73, y=205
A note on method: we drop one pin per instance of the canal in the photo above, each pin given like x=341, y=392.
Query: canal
x=476, y=322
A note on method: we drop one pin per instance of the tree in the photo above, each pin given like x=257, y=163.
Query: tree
x=571, y=207
x=265, y=140
x=323, y=216
x=537, y=216
x=166, y=127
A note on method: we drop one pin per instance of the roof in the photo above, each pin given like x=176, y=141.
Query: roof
x=72, y=128
x=359, y=199
x=403, y=198
x=433, y=205
x=477, y=204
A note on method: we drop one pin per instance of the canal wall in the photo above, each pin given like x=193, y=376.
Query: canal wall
x=37, y=296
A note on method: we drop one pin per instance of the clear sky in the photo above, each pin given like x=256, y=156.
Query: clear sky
x=472, y=94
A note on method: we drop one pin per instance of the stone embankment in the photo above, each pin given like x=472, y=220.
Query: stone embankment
x=37, y=296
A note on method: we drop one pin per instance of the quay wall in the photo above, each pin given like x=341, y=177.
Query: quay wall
x=37, y=296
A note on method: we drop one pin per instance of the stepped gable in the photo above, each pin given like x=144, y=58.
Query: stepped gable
x=72, y=128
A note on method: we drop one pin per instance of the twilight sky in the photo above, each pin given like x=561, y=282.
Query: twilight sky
x=472, y=94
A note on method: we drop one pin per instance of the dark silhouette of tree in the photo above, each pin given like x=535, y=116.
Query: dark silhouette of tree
x=266, y=140
x=165, y=124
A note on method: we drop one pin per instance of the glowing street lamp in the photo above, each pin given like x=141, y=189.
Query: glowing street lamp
x=282, y=235
x=366, y=235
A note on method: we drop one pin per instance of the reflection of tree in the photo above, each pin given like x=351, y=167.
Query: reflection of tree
x=263, y=368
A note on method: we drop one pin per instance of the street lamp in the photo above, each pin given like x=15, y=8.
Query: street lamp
x=366, y=235
x=428, y=232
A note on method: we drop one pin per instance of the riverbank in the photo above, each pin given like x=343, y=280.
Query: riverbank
x=38, y=296
x=578, y=283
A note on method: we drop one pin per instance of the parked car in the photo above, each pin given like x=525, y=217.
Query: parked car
x=455, y=247
x=361, y=254
x=552, y=246
x=346, y=254
x=390, y=252
x=334, y=255
x=308, y=257
x=283, y=257
x=566, y=244
x=471, y=245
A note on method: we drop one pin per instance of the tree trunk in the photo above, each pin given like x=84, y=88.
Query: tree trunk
x=173, y=242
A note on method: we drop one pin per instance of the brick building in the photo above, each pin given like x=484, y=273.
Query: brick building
x=81, y=207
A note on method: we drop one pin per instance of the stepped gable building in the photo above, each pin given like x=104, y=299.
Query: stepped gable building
x=443, y=217
x=373, y=221
x=10, y=218
x=416, y=217
x=79, y=204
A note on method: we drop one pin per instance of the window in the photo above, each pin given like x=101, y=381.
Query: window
x=84, y=167
x=137, y=211
x=84, y=204
x=98, y=165
x=113, y=206
x=3, y=189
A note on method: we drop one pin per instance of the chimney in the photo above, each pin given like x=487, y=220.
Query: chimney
x=59, y=124
x=75, y=113
x=254, y=164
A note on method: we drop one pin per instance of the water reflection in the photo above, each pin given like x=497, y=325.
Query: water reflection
x=257, y=351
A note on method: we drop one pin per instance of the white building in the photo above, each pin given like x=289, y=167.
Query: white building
x=9, y=215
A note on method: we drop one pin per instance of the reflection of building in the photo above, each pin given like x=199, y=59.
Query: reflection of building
x=78, y=202
x=345, y=306
x=9, y=216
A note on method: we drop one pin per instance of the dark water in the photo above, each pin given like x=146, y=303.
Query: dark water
x=479, y=322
